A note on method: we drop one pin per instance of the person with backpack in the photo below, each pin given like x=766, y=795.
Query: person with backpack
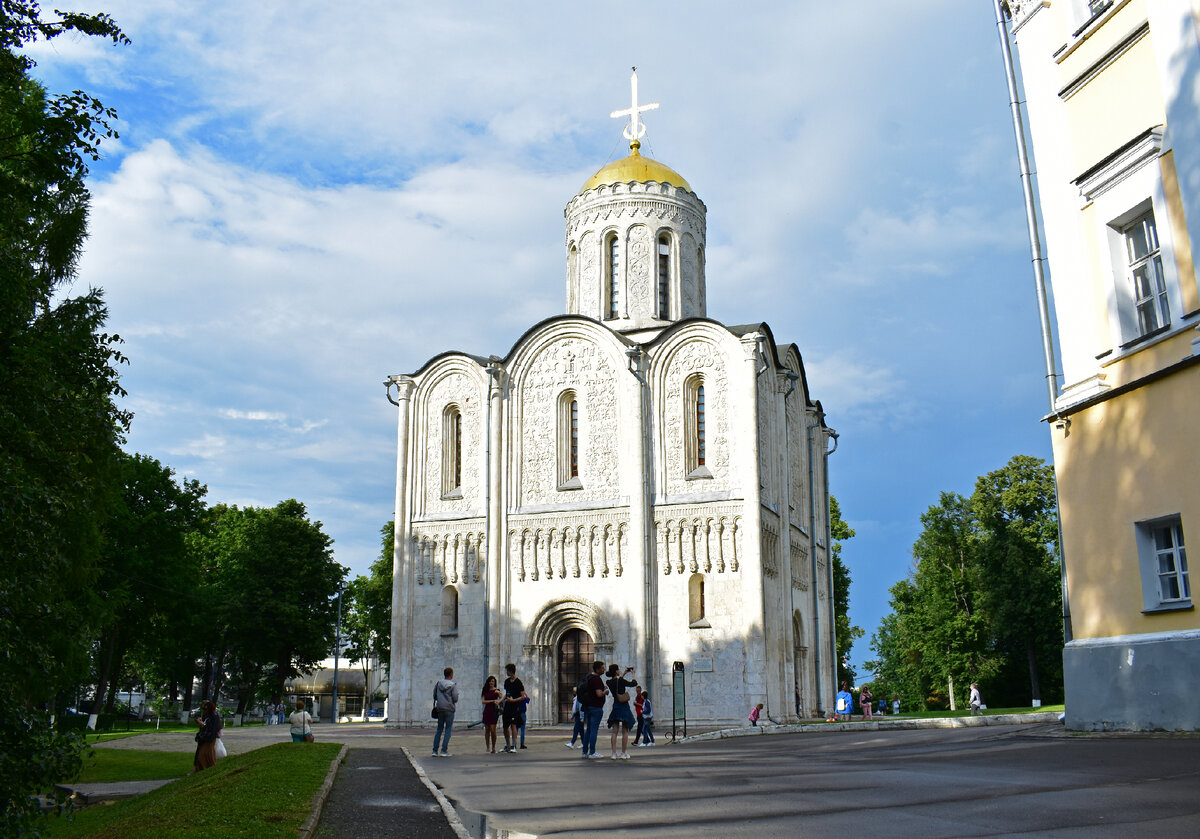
x=637, y=712
x=592, y=699
x=845, y=704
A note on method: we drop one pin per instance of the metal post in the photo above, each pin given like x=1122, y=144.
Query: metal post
x=337, y=648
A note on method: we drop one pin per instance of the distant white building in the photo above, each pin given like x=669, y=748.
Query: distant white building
x=632, y=482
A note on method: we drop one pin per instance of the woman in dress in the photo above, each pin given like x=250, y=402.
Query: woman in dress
x=620, y=718
x=209, y=722
x=491, y=713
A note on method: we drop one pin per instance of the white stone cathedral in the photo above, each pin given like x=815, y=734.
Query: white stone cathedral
x=633, y=482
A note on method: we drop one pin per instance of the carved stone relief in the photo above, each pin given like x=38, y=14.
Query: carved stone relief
x=569, y=363
x=703, y=357
x=689, y=289
x=589, y=277
x=638, y=252
x=568, y=545
x=698, y=538
x=462, y=390
x=449, y=553
x=770, y=550
x=800, y=570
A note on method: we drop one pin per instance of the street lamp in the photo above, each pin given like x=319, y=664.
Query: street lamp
x=337, y=648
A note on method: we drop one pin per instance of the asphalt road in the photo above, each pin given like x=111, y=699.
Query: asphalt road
x=997, y=781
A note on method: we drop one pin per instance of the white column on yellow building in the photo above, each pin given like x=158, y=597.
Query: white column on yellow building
x=398, y=709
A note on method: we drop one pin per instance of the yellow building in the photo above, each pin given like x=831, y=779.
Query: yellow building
x=1113, y=96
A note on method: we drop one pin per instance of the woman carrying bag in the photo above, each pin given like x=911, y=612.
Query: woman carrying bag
x=206, y=738
x=301, y=722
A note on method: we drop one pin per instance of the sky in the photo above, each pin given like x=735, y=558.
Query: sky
x=308, y=197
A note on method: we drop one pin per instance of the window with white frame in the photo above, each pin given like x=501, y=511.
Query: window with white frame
x=612, y=274
x=452, y=435
x=568, y=441
x=664, y=276
x=1146, y=274
x=1163, y=559
x=1129, y=203
x=695, y=424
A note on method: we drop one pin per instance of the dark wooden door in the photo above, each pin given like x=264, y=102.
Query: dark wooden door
x=575, y=656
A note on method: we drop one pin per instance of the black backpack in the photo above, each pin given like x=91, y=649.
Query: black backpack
x=581, y=691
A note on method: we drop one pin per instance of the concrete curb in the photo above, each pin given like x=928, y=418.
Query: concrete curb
x=876, y=725
x=451, y=815
x=310, y=824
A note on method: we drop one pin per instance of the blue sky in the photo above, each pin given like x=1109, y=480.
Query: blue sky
x=308, y=197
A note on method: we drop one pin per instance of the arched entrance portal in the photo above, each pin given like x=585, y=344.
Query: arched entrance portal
x=575, y=655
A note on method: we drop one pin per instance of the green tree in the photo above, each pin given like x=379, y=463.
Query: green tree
x=275, y=588
x=147, y=571
x=59, y=425
x=367, y=627
x=845, y=632
x=1019, y=564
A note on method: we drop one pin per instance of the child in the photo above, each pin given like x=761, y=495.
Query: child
x=754, y=714
x=647, y=720
x=577, y=716
x=637, y=711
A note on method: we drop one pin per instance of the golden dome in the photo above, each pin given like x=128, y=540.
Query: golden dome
x=635, y=168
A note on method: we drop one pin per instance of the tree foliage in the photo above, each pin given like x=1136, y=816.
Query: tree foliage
x=273, y=584
x=983, y=595
x=367, y=626
x=845, y=632
x=60, y=427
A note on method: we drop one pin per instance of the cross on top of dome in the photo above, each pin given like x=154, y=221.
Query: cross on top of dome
x=636, y=128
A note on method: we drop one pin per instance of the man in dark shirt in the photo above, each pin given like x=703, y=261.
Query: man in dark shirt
x=514, y=695
x=593, y=709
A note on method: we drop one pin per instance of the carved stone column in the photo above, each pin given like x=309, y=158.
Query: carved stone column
x=399, y=695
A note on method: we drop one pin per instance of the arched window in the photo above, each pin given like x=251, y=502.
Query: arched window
x=612, y=276
x=449, y=610
x=568, y=441
x=695, y=443
x=697, y=616
x=664, y=276
x=452, y=452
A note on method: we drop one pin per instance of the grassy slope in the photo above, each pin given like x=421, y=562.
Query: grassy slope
x=109, y=765
x=264, y=793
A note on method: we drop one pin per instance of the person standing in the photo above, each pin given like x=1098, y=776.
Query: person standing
x=301, y=722
x=209, y=722
x=865, y=701
x=637, y=712
x=845, y=704
x=755, y=713
x=577, y=716
x=976, y=700
x=524, y=714
x=514, y=695
x=647, y=720
x=491, y=713
x=593, y=709
x=620, y=718
x=445, y=702
x=895, y=704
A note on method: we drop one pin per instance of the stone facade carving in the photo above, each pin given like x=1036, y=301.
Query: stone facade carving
x=799, y=564
x=770, y=550
x=451, y=553
x=689, y=278
x=588, y=275
x=796, y=452
x=578, y=364
x=703, y=357
x=461, y=390
x=567, y=546
x=698, y=538
x=638, y=250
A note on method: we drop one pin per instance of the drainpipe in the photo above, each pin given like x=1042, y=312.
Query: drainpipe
x=1035, y=247
x=829, y=549
x=812, y=557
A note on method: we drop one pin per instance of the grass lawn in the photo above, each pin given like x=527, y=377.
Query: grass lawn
x=964, y=712
x=264, y=793
x=109, y=765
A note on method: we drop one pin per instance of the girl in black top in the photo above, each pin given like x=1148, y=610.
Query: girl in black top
x=621, y=716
